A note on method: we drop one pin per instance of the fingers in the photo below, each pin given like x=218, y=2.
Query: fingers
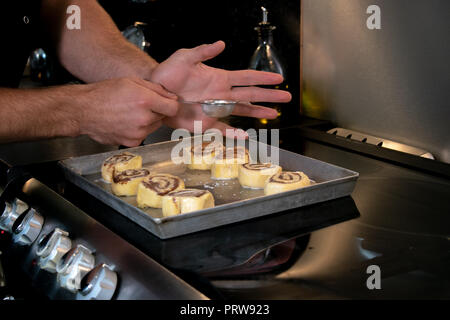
x=154, y=117
x=204, y=52
x=253, y=78
x=159, y=100
x=256, y=94
x=141, y=135
x=159, y=104
x=249, y=110
x=154, y=126
x=130, y=142
x=157, y=88
x=148, y=95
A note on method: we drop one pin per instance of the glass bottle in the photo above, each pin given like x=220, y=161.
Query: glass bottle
x=136, y=35
x=266, y=58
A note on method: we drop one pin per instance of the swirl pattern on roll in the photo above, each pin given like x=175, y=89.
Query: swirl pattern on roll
x=236, y=153
x=286, y=177
x=123, y=157
x=162, y=184
x=130, y=174
x=258, y=166
x=188, y=193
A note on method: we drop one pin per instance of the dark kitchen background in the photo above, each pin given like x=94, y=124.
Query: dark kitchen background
x=174, y=24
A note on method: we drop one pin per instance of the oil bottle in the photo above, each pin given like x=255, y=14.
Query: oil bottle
x=266, y=58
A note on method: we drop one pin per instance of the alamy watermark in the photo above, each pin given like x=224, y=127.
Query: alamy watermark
x=73, y=22
x=374, y=280
x=374, y=20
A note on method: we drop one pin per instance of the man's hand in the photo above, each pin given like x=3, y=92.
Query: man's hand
x=184, y=73
x=124, y=111
x=120, y=111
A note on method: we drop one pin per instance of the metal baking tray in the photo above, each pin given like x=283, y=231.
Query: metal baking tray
x=233, y=203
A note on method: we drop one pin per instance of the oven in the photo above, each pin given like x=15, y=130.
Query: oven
x=51, y=249
x=396, y=220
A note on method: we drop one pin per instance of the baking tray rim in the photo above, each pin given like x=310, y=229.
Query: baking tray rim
x=218, y=207
x=352, y=175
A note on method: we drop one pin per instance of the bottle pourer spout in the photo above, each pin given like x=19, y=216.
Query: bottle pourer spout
x=265, y=13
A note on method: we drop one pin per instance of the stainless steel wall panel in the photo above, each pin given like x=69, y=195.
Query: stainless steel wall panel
x=393, y=82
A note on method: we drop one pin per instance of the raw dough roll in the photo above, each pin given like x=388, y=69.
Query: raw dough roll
x=286, y=181
x=202, y=156
x=120, y=162
x=126, y=183
x=152, y=189
x=226, y=164
x=256, y=175
x=187, y=200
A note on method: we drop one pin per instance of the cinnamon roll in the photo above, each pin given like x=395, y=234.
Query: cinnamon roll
x=286, y=181
x=226, y=163
x=120, y=162
x=187, y=200
x=125, y=183
x=202, y=156
x=256, y=175
x=153, y=188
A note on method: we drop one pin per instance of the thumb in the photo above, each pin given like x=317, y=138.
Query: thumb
x=157, y=88
x=206, y=51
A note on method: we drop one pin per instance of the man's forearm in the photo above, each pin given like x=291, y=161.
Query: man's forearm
x=97, y=51
x=29, y=114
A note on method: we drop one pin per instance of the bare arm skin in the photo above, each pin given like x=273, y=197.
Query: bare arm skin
x=120, y=111
x=40, y=113
x=97, y=51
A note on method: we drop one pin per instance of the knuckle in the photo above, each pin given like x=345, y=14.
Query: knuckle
x=141, y=101
x=142, y=105
x=141, y=122
x=146, y=120
x=182, y=51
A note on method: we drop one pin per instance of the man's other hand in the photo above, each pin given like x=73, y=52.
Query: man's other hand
x=124, y=111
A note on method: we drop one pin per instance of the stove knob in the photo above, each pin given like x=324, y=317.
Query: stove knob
x=28, y=228
x=11, y=213
x=51, y=248
x=73, y=266
x=98, y=284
